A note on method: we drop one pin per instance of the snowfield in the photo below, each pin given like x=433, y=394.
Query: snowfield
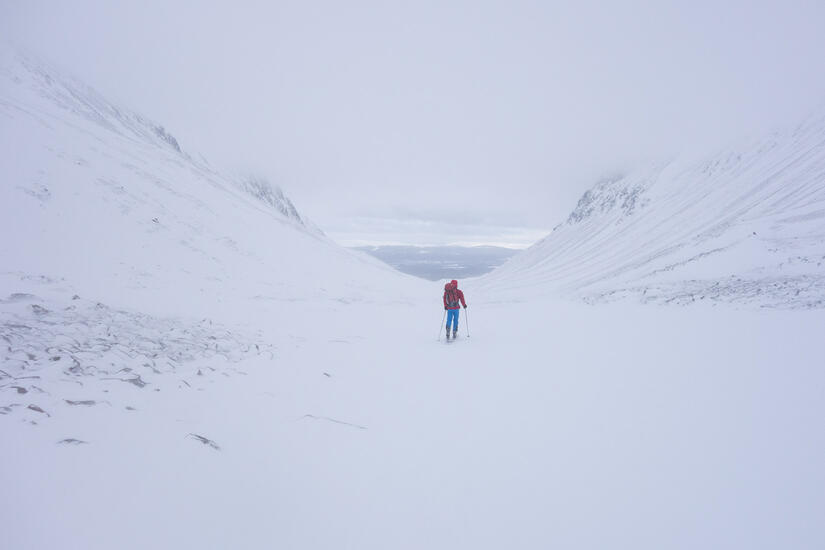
x=553, y=424
x=188, y=363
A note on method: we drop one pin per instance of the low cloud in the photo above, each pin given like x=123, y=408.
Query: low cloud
x=372, y=231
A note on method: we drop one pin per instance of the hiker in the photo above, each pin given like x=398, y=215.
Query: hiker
x=452, y=296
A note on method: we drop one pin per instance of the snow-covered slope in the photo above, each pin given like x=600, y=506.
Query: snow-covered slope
x=125, y=259
x=746, y=226
x=109, y=202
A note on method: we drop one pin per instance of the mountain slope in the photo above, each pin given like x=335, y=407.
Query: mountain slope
x=109, y=202
x=745, y=226
x=125, y=260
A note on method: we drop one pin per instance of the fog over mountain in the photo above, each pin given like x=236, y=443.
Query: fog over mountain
x=745, y=225
x=441, y=119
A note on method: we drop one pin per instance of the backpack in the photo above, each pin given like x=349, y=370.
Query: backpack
x=450, y=296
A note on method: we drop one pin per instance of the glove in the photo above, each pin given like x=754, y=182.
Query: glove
x=465, y=307
x=445, y=308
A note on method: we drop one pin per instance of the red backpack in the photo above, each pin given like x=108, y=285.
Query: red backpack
x=450, y=295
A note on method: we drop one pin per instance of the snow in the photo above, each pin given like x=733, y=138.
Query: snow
x=553, y=424
x=226, y=377
x=742, y=226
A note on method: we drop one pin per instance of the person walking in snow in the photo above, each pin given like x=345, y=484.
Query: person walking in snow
x=452, y=297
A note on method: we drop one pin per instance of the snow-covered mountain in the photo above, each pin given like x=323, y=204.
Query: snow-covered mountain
x=186, y=363
x=31, y=85
x=125, y=258
x=746, y=225
x=110, y=202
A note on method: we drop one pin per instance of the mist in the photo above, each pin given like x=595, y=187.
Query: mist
x=453, y=114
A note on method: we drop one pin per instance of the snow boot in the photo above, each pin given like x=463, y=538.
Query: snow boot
x=448, y=333
x=455, y=334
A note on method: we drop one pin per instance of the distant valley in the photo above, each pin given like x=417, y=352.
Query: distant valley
x=442, y=262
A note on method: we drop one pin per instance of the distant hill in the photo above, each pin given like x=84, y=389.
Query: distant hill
x=442, y=262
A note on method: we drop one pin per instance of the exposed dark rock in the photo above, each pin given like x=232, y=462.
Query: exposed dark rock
x=271, y=195
x=35, y=408
x=334, y=421
x=39, y=310
x=18, y=297
x=205, y=441
x=137, y=381
x=72, y=441
x=161, y=132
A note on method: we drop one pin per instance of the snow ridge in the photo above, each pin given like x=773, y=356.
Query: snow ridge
x=21, y=72
x=77, y=98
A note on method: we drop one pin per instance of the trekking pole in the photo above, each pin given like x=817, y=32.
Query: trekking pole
x=467, y=322
x=442, y=324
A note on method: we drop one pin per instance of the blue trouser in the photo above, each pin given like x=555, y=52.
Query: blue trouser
x=452, y=317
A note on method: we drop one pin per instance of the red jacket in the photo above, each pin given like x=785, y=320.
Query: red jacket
x=452, y=296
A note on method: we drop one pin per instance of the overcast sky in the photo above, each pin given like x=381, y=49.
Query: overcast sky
x=435, y=122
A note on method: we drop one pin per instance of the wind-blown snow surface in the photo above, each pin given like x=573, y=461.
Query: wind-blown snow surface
x=552, y=426
x=744, y=226
x=224, y=377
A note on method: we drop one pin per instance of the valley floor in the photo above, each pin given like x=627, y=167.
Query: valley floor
x=554, y=425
